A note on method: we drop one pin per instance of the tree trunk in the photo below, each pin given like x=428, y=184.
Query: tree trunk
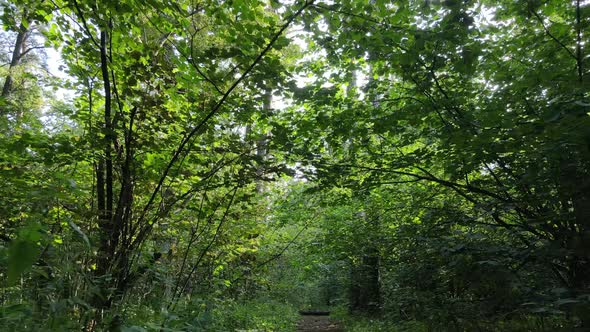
x=365, y=290
x=261, y=144
x=575, y=197
x=105, y=255
x=17, y=54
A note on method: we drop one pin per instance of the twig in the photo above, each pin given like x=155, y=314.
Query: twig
x=540, y=19
x=213, y=111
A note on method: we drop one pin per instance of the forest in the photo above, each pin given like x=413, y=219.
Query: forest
x=232, y=165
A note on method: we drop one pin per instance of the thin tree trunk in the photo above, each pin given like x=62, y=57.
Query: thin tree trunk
x=17, y=54
x=262, y=143
x=108, y=128
x=105, y=186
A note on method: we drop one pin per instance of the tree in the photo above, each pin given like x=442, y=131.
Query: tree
x=433, y=155
x=463, y=102
x=150, y=90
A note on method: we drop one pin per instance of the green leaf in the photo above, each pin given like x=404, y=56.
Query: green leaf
x=133, y=329
x=21, y=256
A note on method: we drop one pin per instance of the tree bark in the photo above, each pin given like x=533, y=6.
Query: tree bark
x=365, y=290
x=17, y=54
x=106, y=250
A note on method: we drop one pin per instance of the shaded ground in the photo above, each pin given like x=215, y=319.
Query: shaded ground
x=318, y=324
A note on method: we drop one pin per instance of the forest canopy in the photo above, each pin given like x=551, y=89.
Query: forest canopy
x=205, y=165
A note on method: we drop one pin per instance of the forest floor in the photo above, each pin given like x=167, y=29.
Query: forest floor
x=311, y=323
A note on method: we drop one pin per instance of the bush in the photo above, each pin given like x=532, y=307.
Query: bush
x=258, y=314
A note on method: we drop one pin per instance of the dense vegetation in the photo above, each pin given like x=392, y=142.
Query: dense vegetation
x=205, y=165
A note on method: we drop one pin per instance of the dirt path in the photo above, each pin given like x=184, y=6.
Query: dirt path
x=317, y=324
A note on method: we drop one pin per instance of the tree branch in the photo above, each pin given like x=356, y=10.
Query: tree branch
x=88, y=31
x=206, y=249
x=540, y=19
x=30, y=49
x=217, y=108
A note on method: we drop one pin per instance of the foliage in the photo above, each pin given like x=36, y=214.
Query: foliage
x=222, y=165
x=261, y=314
x=258, y=314
x=443, y=97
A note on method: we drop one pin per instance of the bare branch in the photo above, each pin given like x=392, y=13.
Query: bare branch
x=30, y=49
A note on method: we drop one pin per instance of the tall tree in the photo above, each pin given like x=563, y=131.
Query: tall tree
x=154, y=89
x=488, y=101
